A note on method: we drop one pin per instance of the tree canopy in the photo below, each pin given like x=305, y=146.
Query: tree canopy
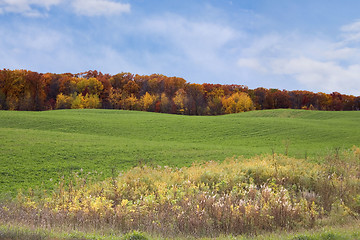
x=32, y=91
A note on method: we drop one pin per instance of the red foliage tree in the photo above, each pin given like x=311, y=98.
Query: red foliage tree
x=27, y=90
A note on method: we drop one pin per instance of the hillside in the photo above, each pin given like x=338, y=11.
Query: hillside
x=39, y=146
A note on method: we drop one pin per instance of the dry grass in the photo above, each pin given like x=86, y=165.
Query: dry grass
x=237, y=196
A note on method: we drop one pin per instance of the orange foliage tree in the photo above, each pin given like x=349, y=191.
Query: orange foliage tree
x=27, y=90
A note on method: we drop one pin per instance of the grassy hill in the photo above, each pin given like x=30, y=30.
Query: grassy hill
x=39, y=146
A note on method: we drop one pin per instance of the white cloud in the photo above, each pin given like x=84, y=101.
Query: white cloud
x=38, y=48
x=37, y=8
x=251, y=63
x=34, y=48
x=209, y=51
x=27, y=7
x=314, y=63
x=34, y=38
x=320, y=75
x=99, y=7
x=206, y=46
x=352, y=27
x=351, y=32
x=343, y=53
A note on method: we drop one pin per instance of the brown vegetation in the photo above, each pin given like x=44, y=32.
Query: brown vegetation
x=237, y=196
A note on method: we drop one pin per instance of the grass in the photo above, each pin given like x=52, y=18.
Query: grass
x=39, y=147
x=237, y=196
x=349, y=232
x=14, y=232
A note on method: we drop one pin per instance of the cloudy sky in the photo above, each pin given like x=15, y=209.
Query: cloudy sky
x=285, y=44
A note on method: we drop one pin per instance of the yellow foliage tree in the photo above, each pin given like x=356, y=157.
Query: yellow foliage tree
x=78, y=102
x=324, y=100
x=237, y=102
x=92, y=85
x=165, y=103
x=179, y=100
x=92, y=101
x=214, y=99
x=131, y=103
x=115, y=98
x=63, y=101
x=148, y=102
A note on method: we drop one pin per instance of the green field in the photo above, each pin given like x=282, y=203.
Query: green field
x=36, y=147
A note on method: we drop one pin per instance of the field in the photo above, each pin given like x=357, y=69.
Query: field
x=38, y=147
x=260, y=172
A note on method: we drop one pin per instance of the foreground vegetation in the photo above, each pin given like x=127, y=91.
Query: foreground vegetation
x=37, y=148
x=100, y=174
x=238, y=196
x=349, y=232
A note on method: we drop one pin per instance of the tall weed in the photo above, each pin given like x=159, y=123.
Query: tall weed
x=237, y=196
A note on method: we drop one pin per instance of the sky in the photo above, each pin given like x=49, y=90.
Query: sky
x=284, y=44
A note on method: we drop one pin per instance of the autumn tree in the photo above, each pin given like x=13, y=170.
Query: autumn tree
x=357, y=104
x=143, y=82
x=131, y=103
x=12, y=85
x=92, y=101
x=165, y=104
x=195, y=99
x=214, y=101
x=281, y=99
x=179, y=100
x=63, y=101
x=259, y=98
x=27, y=90
x=172, y=85
x=119, y=80
x=336, y=103
x=131, y=88
x=148, y=102
x=115, y=98
x=104, y=95
x=67, y=84
x=89, y=74
x=90, y=85
x=51, y=89
x=34, y=91
x=156, y=84
x=78, y=101
x=324, y=101
x=269, y=99
x=237, y=102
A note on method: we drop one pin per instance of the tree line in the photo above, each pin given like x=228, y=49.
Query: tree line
x=31, y=91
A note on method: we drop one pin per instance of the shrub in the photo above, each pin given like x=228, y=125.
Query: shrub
x=237, y=196
x=135, y=235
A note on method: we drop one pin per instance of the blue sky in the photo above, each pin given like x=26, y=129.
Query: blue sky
x=285, y=44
